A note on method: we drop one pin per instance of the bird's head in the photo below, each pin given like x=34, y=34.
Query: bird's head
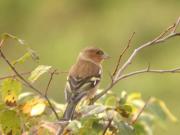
x=94, y=54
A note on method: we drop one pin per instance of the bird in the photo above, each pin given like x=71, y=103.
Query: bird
x=83, y=78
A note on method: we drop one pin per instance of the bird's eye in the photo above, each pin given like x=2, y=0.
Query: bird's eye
x=99, y=52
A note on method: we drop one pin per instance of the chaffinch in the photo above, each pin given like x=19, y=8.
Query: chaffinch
x=83, y=79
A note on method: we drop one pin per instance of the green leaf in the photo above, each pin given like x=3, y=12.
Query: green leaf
x=29, y=54
x=41, y=69
x=92, y=110
x=167, y=111
x=123, y=98
x=145, y=124
x=125, y=129
x=140, y=129
x=33, y=54
x=74, y=126
x=111, y=101
x=22, y=59
x=7, y=35
x=90, y=126
x=10, y=89
x=10, y=122
x=160, y=110
x=125, y=110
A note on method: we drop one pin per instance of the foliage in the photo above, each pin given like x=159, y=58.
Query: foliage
x=30, y=113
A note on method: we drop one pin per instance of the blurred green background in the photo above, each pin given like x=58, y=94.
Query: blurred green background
x=59, y=29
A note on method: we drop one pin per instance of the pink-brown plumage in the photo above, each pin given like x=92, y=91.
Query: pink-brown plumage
x=83, y=78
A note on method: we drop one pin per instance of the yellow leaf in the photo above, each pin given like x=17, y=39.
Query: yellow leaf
x=133, y=96
x=34, y=107
x=167, y=111
x=10, y=99
x=11, y=88
x=38, y=109
x=35, y=74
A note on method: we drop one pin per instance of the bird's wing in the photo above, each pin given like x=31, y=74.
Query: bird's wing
x=79, y=86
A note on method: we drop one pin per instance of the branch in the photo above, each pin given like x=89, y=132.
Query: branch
x=156, y=41
x=50, y=80
x=1, y=43
x=121, y=55
x=107, y=127
x=176, y=25
x=10, y=76
x=148, y=70
x=170, y=32
x=27, y=83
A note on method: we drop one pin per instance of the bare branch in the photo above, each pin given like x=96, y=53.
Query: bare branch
x=10, y=76
x=170, y=32
x=107, y=127
x=121, y=55
x=136, y=117
x=148, y=70
x=176, y=25
x=1, y=43
x=156, y=41
x=50, y=80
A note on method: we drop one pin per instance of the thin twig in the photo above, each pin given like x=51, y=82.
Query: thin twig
x=123, y=52
x=52, y=108
x=50, y=80
x=10, y=76
x=27, y=83
x=107, y=126
x=170, y=28
x=136, y=117
x=156, y=41
x=119, y=74
x=176, y=25
x=46, y=92
x=160, y=71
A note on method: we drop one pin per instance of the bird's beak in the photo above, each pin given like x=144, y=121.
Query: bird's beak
x=106, y=56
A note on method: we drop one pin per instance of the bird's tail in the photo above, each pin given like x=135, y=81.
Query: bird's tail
x=70, y=109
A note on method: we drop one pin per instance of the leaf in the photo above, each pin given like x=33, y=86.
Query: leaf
x=145, y=124
x=133, y=96
x=123, y=98
x=125, y=110
x=167, y=111
x=142, y=129
x=25, y=95
x=51, y=127
x=92, y=110
x=160, y=110
x=42, y=131
x=41, y=69
x=11, y=89
x=33, y=54
x=29, y=54
x=7, y=35
x=111, y=101
x=125, y=129
x=10, y=122
x=90, y=126
x=74, y=126
x=38, y=109
x=34, y=107
x=22, y=59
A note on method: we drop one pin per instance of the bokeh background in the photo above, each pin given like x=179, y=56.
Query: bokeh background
x=59, y=29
